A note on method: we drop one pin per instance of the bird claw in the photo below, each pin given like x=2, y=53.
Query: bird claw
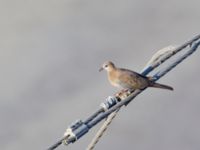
x=124, y=93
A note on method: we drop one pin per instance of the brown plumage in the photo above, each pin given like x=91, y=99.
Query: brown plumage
x=127, y=79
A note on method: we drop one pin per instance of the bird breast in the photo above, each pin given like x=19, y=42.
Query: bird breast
x=113, y=78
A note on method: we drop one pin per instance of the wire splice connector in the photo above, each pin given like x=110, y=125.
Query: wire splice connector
x=75, y=131
x=110, y=102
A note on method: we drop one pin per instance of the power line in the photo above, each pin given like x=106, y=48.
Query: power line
x=114, y=103
x=108, y=121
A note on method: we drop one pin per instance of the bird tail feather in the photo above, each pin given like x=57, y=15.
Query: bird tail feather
x=162, y=86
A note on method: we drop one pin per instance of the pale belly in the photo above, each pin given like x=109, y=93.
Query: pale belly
x=115, y=83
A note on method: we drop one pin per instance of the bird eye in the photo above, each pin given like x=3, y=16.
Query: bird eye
x=106, y=66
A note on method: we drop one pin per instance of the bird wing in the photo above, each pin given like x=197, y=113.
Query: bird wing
x=133, y=73
x=133, y=79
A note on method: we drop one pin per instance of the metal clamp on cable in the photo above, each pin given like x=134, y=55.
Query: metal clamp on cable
x=75, y=131
x=110, y=102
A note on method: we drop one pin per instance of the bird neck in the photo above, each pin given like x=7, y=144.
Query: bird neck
x=111, y=70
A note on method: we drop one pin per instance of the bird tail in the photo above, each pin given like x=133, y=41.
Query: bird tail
x=162, y=86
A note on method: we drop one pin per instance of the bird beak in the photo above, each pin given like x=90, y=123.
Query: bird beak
x=100, y=69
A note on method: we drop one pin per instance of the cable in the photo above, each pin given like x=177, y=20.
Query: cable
x=101, y=131
x=112, y=106
x=108, y=121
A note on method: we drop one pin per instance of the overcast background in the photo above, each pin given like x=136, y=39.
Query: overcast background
x=50, y=53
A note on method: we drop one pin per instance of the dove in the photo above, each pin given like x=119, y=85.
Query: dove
x=128, y=79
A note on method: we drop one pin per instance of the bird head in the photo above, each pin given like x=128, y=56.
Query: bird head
x=108, y=66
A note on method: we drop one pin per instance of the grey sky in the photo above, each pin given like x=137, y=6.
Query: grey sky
x=50, y=53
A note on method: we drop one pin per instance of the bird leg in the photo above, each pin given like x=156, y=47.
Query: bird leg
x=124, y=93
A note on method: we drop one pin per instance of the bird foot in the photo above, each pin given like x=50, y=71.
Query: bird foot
x=124, y=93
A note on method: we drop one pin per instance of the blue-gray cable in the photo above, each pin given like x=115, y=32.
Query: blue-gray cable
x=112, y=103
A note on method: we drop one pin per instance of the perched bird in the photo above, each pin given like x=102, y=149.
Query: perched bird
x=127, y=79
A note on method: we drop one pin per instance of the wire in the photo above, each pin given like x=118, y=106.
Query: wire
x=80, y=128
x=102, y=130
x=108, y=121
